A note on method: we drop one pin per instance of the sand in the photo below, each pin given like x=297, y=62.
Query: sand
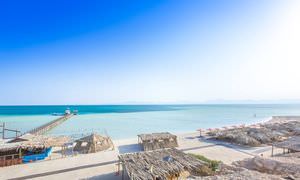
x=102, y=165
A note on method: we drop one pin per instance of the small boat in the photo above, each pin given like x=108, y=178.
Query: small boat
x=67, y=111
x=75, y=112
x=30, y=157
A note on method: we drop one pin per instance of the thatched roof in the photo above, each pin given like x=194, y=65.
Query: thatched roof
x=30, y=139
x=93, y=143
x=242, y=174
x=92, y=138
x=57, y=141
x=266, y=133
x=14, y=148
x=288, y=118
x=9, y=147
x=159, y=164
x=292, y=143
x=270, y=166
x=156, y=136
x=26, y=141
x=25, y=137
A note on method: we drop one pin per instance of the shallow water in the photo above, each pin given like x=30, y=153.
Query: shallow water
x=23, y=123
x=122, y=122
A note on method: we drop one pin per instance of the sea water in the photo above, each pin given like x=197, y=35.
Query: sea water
x=126, y=121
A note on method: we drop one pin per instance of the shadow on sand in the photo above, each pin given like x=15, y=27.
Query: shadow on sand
x=109, y=176
x=63, y=170
x=191, y=137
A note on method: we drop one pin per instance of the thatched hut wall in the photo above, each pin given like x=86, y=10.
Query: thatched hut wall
x=157, y=141
x=92, y=144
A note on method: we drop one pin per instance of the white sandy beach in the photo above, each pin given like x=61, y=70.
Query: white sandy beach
x=102, y=165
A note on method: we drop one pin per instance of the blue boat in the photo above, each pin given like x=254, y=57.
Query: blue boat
x=36, y=157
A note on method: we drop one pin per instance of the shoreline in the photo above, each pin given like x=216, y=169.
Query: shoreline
x=179, y=132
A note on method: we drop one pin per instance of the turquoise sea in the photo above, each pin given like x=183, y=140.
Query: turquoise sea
x=126, y=121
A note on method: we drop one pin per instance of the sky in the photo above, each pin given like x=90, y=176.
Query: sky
x=151, y=51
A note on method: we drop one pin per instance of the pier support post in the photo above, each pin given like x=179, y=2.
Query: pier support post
x=272, y=150
x=3, y=130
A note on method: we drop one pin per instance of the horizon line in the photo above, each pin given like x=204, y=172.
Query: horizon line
x=155, y=104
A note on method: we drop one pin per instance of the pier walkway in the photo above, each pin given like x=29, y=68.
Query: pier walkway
x=50, y=125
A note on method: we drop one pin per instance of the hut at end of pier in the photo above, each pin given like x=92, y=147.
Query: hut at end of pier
x=155, y=141
x=93, y=143
x=166, y=164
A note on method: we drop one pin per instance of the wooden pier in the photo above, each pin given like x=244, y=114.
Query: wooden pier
x=50, y=125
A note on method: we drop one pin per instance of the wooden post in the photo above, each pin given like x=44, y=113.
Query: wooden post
x=123, y=174
x=20, y=154
x=72, y=150
x=272, y=150
x=3, y=130
x=118, y=169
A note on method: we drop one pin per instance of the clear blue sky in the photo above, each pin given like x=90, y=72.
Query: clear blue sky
x=152, y=51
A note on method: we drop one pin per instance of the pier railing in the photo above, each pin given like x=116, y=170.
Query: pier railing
x=4, y=130
x=50, y=125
